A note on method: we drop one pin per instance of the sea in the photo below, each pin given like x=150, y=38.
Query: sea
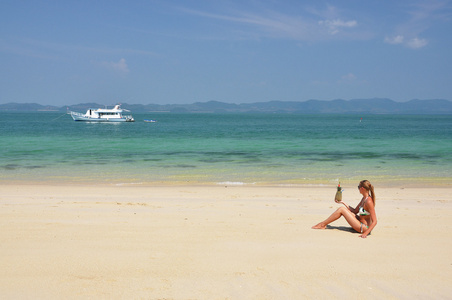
x=227, y=149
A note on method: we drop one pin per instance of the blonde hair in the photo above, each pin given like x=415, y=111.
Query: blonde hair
x=369, y=187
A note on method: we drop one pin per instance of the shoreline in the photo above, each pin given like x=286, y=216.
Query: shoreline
x=210, y=241
x=443, y=182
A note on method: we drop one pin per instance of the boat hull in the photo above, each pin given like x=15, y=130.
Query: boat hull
x=83, y=118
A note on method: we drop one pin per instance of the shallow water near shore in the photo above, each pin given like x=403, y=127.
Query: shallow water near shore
x=227, y=148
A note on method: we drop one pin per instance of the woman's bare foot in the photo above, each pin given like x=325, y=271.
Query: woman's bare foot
x=319, y=226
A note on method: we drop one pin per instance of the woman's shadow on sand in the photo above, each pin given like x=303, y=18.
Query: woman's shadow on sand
x=341, y=228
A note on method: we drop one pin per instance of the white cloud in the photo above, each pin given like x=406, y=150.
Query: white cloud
x=120, y=66
x=420, y=18
x=301, y=26
x=334, y=25
x=398, y=39
x=413, y=43
x=417, y=43
x=268, y=24
x=349, y=77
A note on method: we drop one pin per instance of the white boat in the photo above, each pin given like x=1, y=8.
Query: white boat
x=103, y=115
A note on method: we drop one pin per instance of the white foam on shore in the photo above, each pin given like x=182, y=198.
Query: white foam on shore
x=128, y=183
x=233, y=183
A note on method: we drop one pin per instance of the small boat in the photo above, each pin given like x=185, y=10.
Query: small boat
x=150, y=121
x=103, y=115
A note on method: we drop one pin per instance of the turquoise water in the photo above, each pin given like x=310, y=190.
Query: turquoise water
x=227, y=148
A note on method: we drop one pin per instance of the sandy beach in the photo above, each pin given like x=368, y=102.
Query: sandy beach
x=62, y=241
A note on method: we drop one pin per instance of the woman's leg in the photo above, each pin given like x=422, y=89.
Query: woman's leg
x=341, y=211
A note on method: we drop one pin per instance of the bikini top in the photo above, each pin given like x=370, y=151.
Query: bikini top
x=362, y=211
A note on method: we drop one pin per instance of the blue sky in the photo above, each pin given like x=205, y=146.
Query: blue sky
x=169, y=52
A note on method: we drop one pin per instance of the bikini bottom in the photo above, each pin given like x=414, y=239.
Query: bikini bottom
x=362, y=224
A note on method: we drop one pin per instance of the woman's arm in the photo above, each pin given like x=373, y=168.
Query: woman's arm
x=353, y=210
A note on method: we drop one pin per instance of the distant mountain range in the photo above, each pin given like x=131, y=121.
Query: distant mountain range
x=355, y=106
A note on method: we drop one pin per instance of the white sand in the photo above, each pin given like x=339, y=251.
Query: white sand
x=216, y=242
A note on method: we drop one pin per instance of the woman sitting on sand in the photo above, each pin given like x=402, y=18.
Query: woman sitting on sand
x=362, y=218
